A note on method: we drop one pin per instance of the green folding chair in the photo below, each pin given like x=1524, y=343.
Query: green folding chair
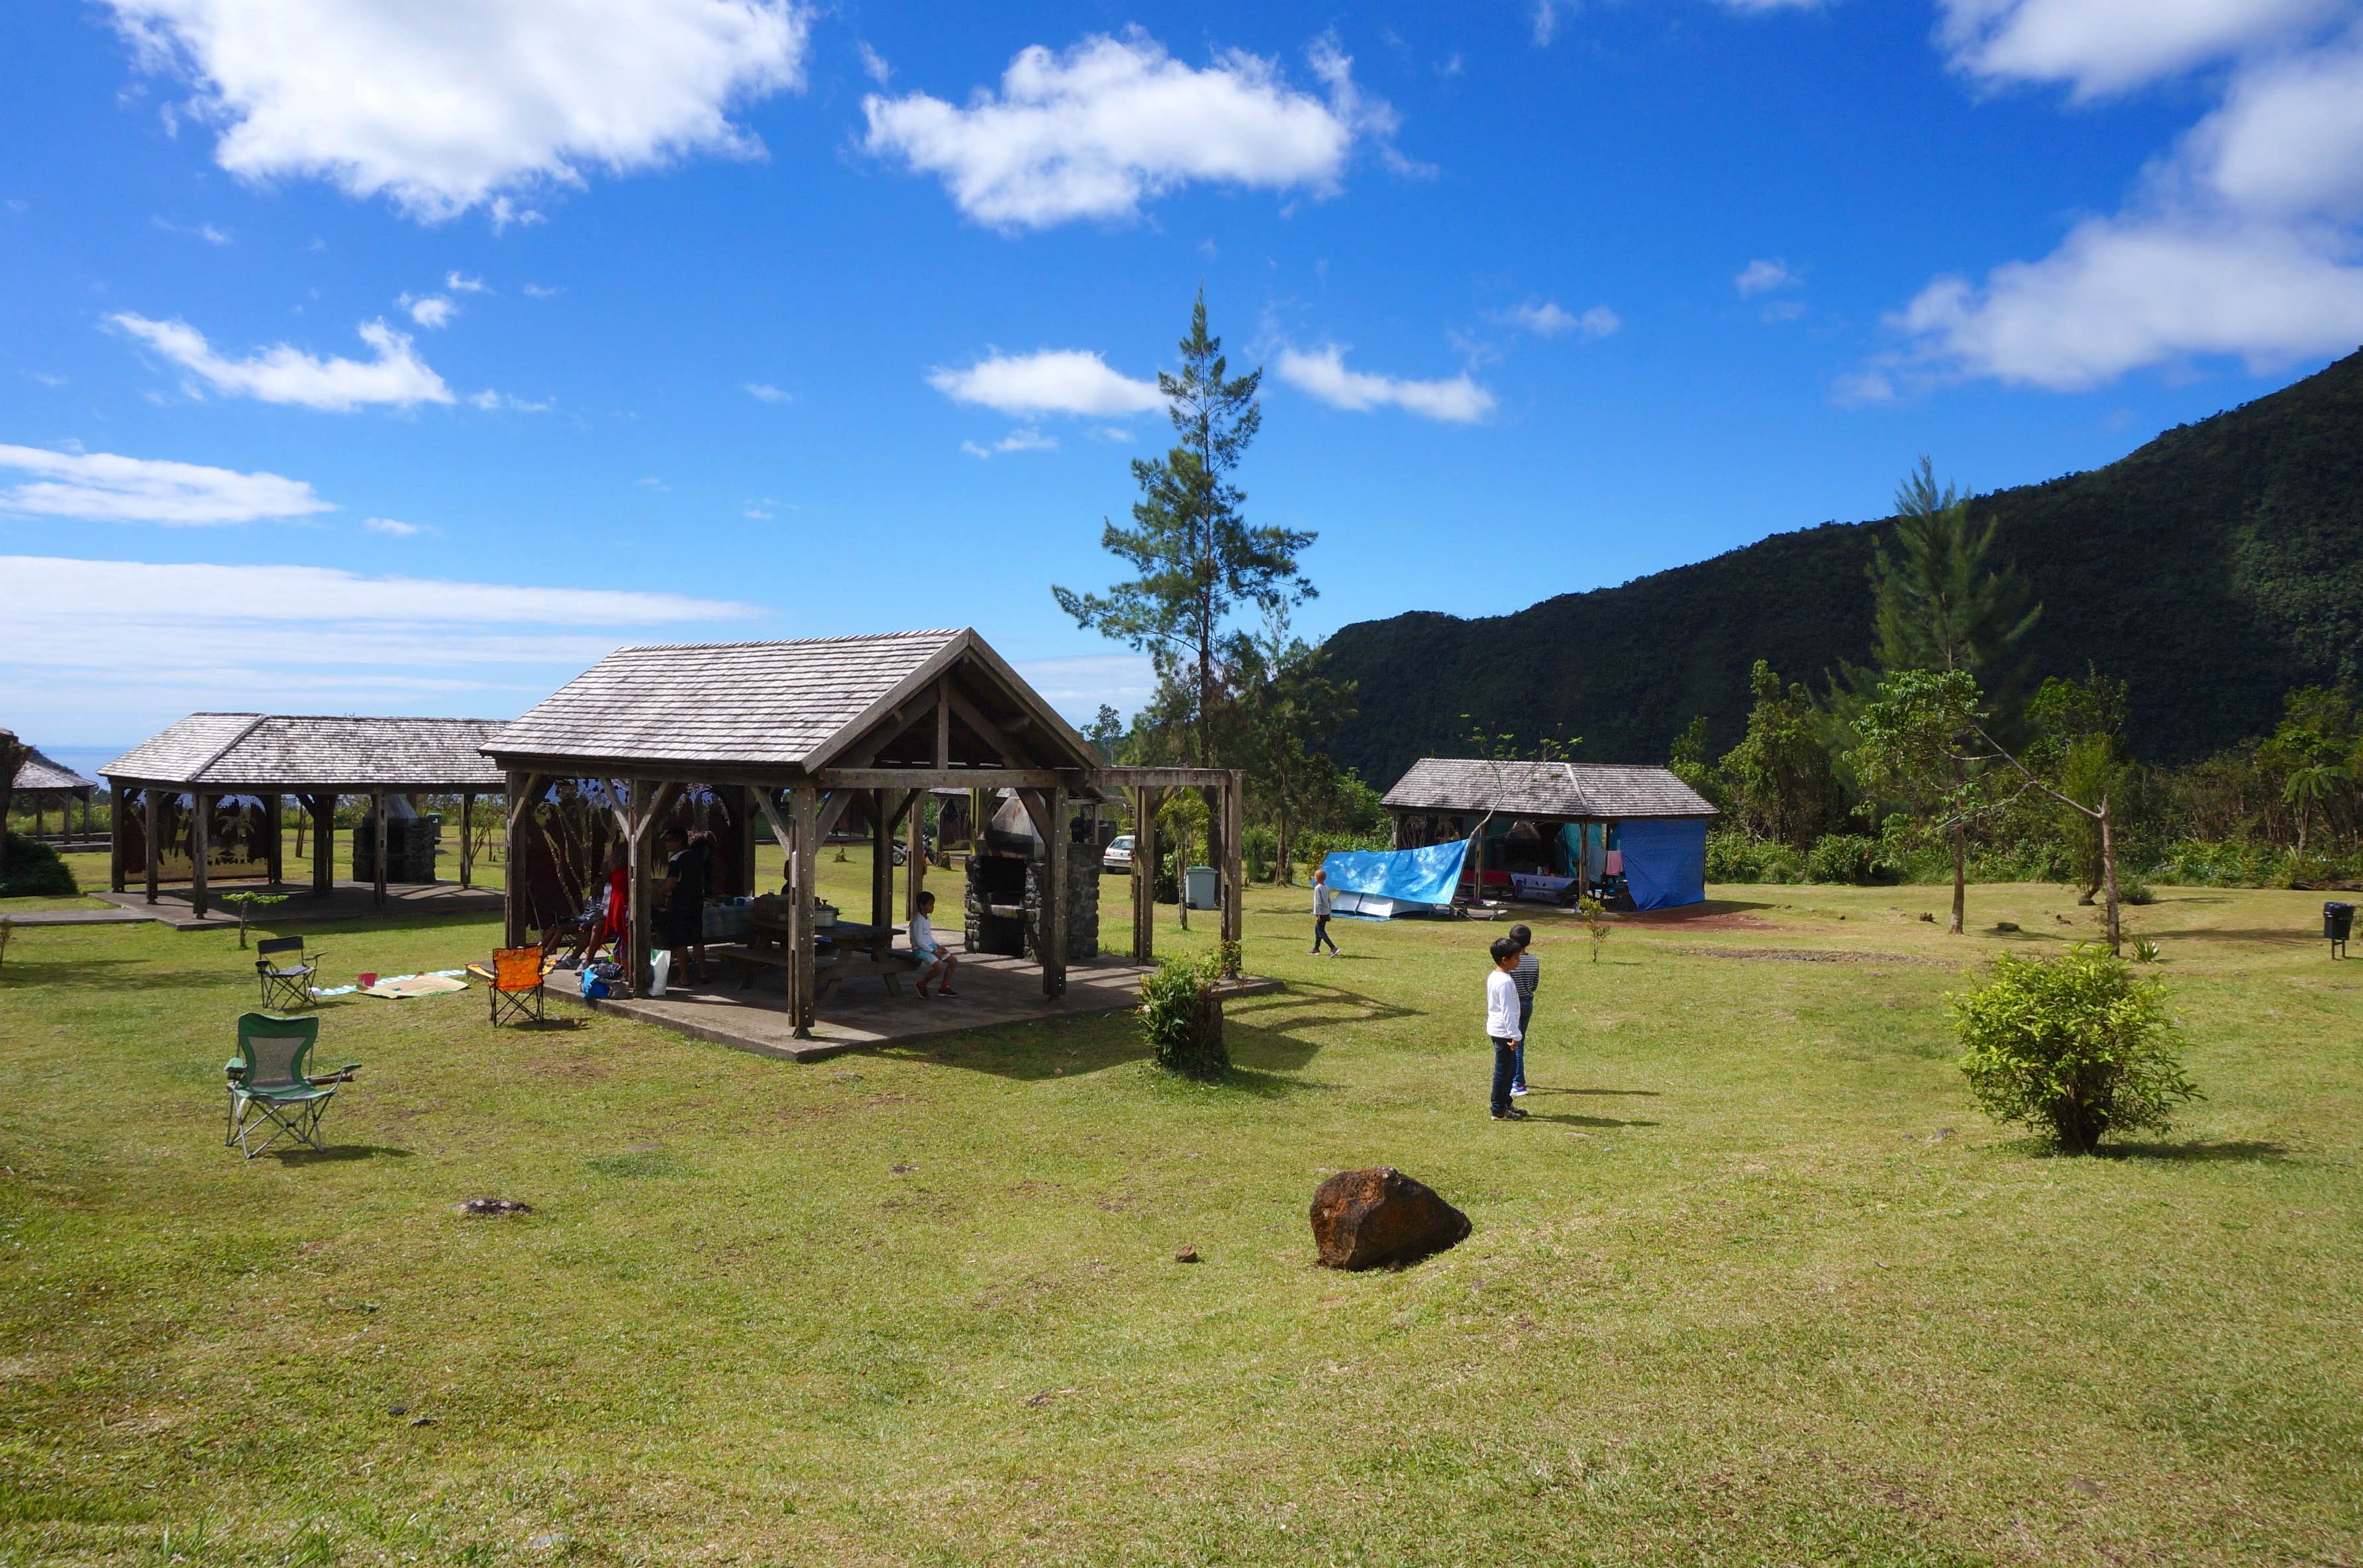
x=271, y=1095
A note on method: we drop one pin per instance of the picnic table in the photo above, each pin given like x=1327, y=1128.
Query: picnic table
x=842, y=951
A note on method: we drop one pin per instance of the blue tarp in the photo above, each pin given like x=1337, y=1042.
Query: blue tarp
x=1427, y=875
x=1665, y=860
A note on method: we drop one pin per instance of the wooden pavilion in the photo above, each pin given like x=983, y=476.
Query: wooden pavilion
x=210, y=757
x=789, y=734
x=40, y=778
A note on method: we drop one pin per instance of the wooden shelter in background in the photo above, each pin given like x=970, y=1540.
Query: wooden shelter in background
x=787, y=735
x=40, y=780
x=211, y=758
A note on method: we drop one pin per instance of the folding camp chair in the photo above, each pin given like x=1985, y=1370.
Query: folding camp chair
x=515, y=985
x=270, y=1096
x=285, y=982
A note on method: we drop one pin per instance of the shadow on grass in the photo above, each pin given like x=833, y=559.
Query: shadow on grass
x=118, y=974
x=337, y=1153
x=1586, y=1121
x=2226, y=1150
x=1632, y=1093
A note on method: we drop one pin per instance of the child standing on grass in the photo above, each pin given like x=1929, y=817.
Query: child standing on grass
x=1321, y=908
x=1528, y=975
x=1503, y=1027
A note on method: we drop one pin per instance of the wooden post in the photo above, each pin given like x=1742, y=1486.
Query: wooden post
x=882, y=859
x=1234, y=882
x=324, y=844
x=275, y=861
x=915, y=862
x=199, y=848
x=114, y=837
x=514, y=808
x=746, y=840
x=467, y=837
x=1144, y=876
x=636, y=885
x=154, y=849
x=1054, y=897
x=805, y=830
x=377, y=805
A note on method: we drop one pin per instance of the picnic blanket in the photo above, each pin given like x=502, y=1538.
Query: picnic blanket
x=402, y=986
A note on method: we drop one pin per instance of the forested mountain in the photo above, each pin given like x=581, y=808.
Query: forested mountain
x=2211, y=570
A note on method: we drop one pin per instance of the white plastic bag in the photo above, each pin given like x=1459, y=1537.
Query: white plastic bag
x=659, y=965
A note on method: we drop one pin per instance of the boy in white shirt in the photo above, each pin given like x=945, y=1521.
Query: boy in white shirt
x=1502, y=1025
x=933, y=959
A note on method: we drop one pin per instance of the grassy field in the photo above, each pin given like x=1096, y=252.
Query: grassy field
x=1755, y=1286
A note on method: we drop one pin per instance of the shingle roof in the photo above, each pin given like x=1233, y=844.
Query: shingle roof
x=1600, y=791
x=759, y=704
x=38, y=772
x=295, y=751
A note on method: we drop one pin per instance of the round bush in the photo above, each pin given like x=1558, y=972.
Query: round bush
x=1850, y=857
x=34, y=870
x=2076, y=1046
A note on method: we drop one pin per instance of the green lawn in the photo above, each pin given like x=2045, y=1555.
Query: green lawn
x=1755, y=1286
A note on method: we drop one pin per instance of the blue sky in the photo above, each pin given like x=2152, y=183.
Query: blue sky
x=351, y=365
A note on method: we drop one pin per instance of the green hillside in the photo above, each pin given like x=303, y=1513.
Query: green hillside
x=2212, y=569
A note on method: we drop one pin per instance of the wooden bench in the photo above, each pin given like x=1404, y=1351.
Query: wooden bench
x=827, y=968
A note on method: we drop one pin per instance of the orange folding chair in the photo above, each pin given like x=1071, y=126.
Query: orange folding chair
x=515, y=985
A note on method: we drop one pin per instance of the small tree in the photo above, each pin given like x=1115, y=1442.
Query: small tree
x=2076, y=1046
x=1595, y=923
x=1782, y=783
x=246, y=904
x=1181, y=1017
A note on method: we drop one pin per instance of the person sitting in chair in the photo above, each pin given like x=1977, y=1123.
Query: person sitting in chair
x=934, y=960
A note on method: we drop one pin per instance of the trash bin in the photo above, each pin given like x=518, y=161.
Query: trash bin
x=1201, y=884
x=2337, y=924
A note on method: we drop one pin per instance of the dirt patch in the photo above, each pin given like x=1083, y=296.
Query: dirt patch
x=1705, y=917
x=1811, y=955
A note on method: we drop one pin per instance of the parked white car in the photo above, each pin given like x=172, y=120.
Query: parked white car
x=1118, y=857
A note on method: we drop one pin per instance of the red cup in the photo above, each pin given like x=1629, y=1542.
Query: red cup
x=368, y=979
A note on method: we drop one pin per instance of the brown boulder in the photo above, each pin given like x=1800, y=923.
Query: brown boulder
x=1372, y=1218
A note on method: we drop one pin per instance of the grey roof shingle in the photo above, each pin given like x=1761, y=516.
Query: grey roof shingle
x=38, y=772
x=295, y=751
x=1599, y=791
x=759, y=704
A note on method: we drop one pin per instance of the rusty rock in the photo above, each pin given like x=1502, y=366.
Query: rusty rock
x=1368, y=1218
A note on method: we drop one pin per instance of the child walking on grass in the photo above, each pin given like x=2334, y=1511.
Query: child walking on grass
x=1502, y=1025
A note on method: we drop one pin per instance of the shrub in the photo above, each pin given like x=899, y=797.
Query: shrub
x=1847, y=857
x=1181, y=1017
x=1736, y=857
x=1259, y=848
x=34, y=870
x=2076, y=1046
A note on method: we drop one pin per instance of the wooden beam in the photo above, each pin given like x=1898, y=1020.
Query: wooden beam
x=1159, y=777
x=199, y=845
x=324, y=844
x=467, y=837
x=882, y=858
x=781, y=831
x=901, y=722
x=115, y=876
x=155, y=850
x=832, y=808
x=803, y=862
x=943, y=720
x=273, y=862
x=914, y=858
x=522, y=791
x=1144, y=875
x=937, y=779
x=986, y=730
x=377, y=805
x=1054, y=898
x=1235, y=881
x=1038, y=810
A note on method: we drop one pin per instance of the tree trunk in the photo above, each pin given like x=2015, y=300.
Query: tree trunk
x=2109, y=879
x=1960, y=879
x=2303, y=814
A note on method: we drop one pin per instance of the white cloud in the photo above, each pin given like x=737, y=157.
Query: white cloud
x=2122, y=293
x=1762, y=276
x=1546, y=12
x=285, y=374
x=1027, y=439
x=111, y=639
x=492, y=401
x=203, y=231
x=1548, y=318
x=2241, y=242
x=390, y=526
x=1459, y=400
x=460, y=284
x=102, y=488
x=430, y=310
x=1112, y=122
x=541, y=292
x=484, y=101
x=1053, y=381
x=874, y=66
x=764, y=392
x=2109, y=45
x=1076, y=685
